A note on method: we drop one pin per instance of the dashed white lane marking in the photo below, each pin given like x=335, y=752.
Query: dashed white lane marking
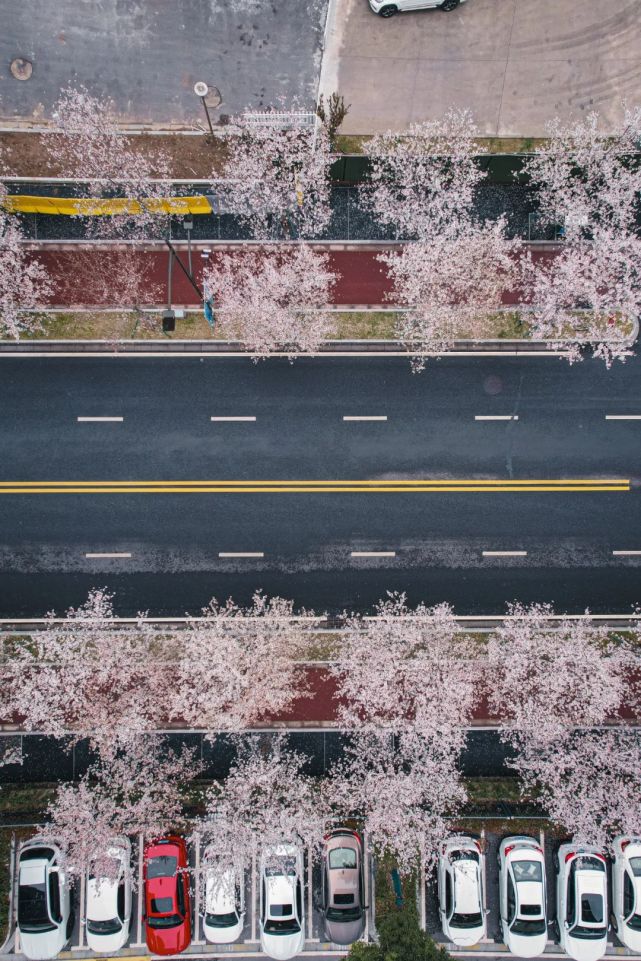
x=623, y=416
x=233, y=420
x=626, y=553
x=504, y=553
x=373, y=554
x=365, y=418
x=108, y=554
x=100, y=420
x=496, y=417
x=241, y=554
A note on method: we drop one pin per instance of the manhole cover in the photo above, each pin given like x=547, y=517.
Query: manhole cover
x=21, y=69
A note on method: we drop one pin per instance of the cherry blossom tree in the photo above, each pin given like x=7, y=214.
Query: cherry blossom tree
x=409, y=670
x=587, y=781
x=547, y=677
x=401, y=790
x=216, y=684
x=25, y=285
x=273, y=299
x=132, y=788
x=265, y=800
x=588, y=182
x=449, y=283
x=423, y=180
x=85, y=677
x=277, y=177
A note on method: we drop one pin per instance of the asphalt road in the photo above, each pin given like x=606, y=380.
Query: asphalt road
x=307, y=539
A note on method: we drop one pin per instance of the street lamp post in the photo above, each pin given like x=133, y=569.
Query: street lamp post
x=201, y=90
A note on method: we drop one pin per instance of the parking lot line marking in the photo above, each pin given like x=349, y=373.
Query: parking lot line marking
x=139, y=888
x=504, y=553
x=81, y=927
x=496, y=417
x=241, y=554
x=253, y=937
x=231, y=420
x=373, y=554
x=197, y=940
x=310, y=916
x=381, y=418
x=100, y=420
x=623, y=416
x=627, y=553
x=108, y=554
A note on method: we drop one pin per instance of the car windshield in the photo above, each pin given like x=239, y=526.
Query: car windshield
x=290, y=926
x=32, y=909
x=344, y=914
x=587, y=934
x=163, y=866
x=112, y=926
x=466, y=920
x=527, y=926
x=221, y=920
x=168, y=921
x=342, y=858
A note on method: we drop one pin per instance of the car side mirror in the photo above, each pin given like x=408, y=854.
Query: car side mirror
x=566, y=926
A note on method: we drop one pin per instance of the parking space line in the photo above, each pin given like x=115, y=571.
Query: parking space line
x=107, y=554
x=623, y=416
x=374, y=417
x=423, y=912
x=81, y=919
x=141, y=896
x=484, y=869
x=310, y=917
x=496, y=417
x=253, y=937
x=197, y=939
x=231, y=420
x=626, y=553
x=366, y=873
x=100, y=420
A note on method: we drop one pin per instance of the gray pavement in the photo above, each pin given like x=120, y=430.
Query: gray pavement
x=306, y=539
x=515, y=63
x=147, y=54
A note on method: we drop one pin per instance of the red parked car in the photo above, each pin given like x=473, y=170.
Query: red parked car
x=167, y=899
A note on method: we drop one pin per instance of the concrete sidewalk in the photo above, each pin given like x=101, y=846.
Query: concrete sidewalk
x=515, y=63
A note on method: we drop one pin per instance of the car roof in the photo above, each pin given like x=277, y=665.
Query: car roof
x=281, y=890
x=466, y=886
x=33, y=872
x=162, y=888
x=530, y=893
x=220, y=895
x=102, y=899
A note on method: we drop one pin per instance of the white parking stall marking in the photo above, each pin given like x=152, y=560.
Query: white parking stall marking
x=81, y=920
x=309, y=886
x=366, y=872
x=375, y=418
x=100, y=420
x=496, y=417
x=141, y=896
x=504, y=553
x=484, y=846
x=241, y=554
x=423, y=912
x=254, y=904
x=197, y=939
x=373, y=554
x=231, y=420
x=623, y=416
x=626, y=553
x=107, y=554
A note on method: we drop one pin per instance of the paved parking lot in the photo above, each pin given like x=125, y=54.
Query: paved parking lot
x=514, y=63
x=147, y=54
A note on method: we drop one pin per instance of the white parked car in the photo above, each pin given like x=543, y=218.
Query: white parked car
x=522, y=892
x=224, y=900
x=108, y=914
x=460, y=890
x=282, y=929
x=626, y=891
x=387, y=8
x=582, y=901
x=45, y=917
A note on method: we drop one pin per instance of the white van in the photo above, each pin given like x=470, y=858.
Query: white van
x=387, y=8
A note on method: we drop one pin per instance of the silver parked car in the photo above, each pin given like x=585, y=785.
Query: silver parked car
x=387, y=8
x=343, y=892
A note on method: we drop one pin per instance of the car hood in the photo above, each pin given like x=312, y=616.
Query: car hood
x=344, y=932
x=582, y=950
x=223, y=935
x=631, y=939
x=107, y=943
x=465, y=938
x=527, y=947
x=282, y=947
x=41, y=946
x=168, y=940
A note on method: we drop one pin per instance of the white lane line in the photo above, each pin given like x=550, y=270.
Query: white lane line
x=140, y=903
x=231, y=420
x=241, y=554
x=496, y=417
x=626, y=553
x=623, y=416
x=100, y=420
x=376, y=417
x=373, y=554
x=504, y=553
x=106, y=554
